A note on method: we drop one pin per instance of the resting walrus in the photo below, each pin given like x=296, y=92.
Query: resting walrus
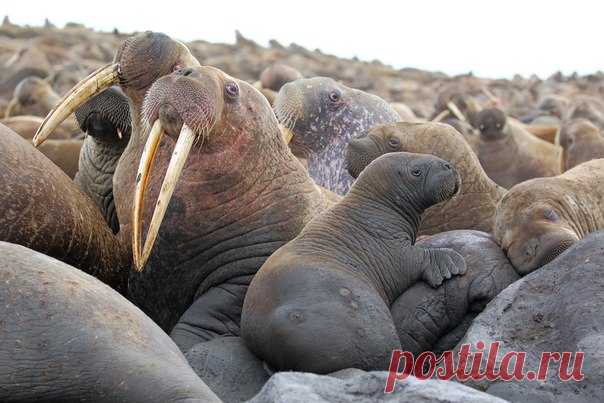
x=581, y=141
x=472, y=208
x=321, y=302
x=539, y=219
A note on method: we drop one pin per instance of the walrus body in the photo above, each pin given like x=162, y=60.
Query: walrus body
x=66, y=337
x=581, y=141
x=429, y=319
x=44, y=210
x=321, y=302
x=26, y=127
x=472, y=208
x=509, y=154
x=324, y=116
x=539, y=219
x=64, y=153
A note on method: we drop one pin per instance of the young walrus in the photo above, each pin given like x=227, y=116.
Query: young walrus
x=321, y=303
x=539, y=219
x=509, y=154
x=472, y=208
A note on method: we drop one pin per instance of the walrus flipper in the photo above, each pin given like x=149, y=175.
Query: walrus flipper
x=441, y=264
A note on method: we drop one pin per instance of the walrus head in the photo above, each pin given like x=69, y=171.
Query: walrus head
x=217, y=119
x=532, y=226
x=492, y=124
x=409, y=181
x=139, y=61
x=106, y=117
x=32, y=96
x=276, y=76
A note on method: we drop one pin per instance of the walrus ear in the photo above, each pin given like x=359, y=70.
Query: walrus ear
x=92, y=85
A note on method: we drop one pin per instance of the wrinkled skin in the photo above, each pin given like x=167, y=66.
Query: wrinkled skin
x=66, y=337
x=242, y=195
x=44, y=210
x=276, y=76
x=472, y=208
x=321, y=302
x=581, y=141
x=539, y=219
x=106, y=121
x=33, y=96
x=509, y=154
x=430, y=319
x=324, y=116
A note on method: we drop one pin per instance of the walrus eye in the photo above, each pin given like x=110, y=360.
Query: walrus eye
x=334, y=96
x=416, y=172
x=481, y=127
x=394, y=142
x=231, y=89
x=498, y=125
x=550, y=214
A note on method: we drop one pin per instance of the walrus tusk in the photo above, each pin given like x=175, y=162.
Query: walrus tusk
x=119, y=134
x=443, y=114
x=95, y=83
x=287, y=134
x=142, y=178
x=183, y=146
x=9, y=108
x=455, y=110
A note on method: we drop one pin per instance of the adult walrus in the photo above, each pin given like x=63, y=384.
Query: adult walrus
x=509, y=154
x=241, y=194
x=324, y=116
x=581, y=141
x=539, y=219
x=74, y=231
x=472, y=208
x=67, y=337
x=321, y=302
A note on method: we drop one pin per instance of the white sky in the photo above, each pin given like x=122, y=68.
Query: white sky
x=495, y=38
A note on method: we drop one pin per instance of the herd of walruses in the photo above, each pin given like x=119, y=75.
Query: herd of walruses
x=162, y=202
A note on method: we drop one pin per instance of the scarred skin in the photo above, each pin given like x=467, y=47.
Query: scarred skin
x=44, y=210
x=581, y=141
x=321, y=302
x=539, y=219
x=324, y=116
x=509, y=154
x=241, y=196
x=105, y=118
x=67, y=337
x=472, y=208
x=429, y=319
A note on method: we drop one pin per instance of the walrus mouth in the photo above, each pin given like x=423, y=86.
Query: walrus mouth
x=181, y=151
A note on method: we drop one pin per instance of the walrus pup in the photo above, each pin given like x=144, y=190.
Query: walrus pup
x=67, y=337
x=475, y=204
x=321, y=302
x=539, y=219
x=105, y=119
x=323, y=116
x=581, y=141
x=509, y=154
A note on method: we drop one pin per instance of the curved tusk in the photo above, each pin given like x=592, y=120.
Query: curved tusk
x=183, y=146
x=9, y=108
x=95, y=83
x=443, y=114
x=142, y=179
x=455, y=110
x=287, y=134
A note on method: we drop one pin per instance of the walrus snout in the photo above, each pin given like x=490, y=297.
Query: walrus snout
x=106, y=116
x=446, y=178
x=359, y=153
x=289, y=105
x=537, y=251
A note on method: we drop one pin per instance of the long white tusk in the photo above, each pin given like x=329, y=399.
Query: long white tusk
x=455, y=110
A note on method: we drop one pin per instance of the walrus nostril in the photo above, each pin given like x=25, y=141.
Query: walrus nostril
x=447, y=166
x=185, y=72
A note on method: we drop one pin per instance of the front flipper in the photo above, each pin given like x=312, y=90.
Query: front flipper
x=441, y=264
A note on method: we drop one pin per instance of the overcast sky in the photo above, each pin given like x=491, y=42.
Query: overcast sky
x=491, y=38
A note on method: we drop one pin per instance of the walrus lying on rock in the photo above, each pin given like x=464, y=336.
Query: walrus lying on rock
x=539, y=219
x=67, y=337
x=472, y=208
x=321, y=302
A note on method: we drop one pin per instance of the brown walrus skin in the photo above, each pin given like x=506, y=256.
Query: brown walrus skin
x=472, y=208
x=539, y=219
x=44, y=210
x=581, y=141
x=67, y=337
x=321, y=302
x=509, y=154
x=64, y=154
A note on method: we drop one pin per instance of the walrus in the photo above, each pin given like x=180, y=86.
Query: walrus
x=26, y=126
x=587, y=107
x=33, y=96
x=106, y=121
x=429, y=319
x=68, y=337
x=475, y=204
x=323, y=116
x=44, y=210
x=212, y=229
x=539, y=219
x=454, y=101
x=64, y=154
x=406, y=114
x=277, y=75
x=510, y=155
x=321, y=302
x=581, y=141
